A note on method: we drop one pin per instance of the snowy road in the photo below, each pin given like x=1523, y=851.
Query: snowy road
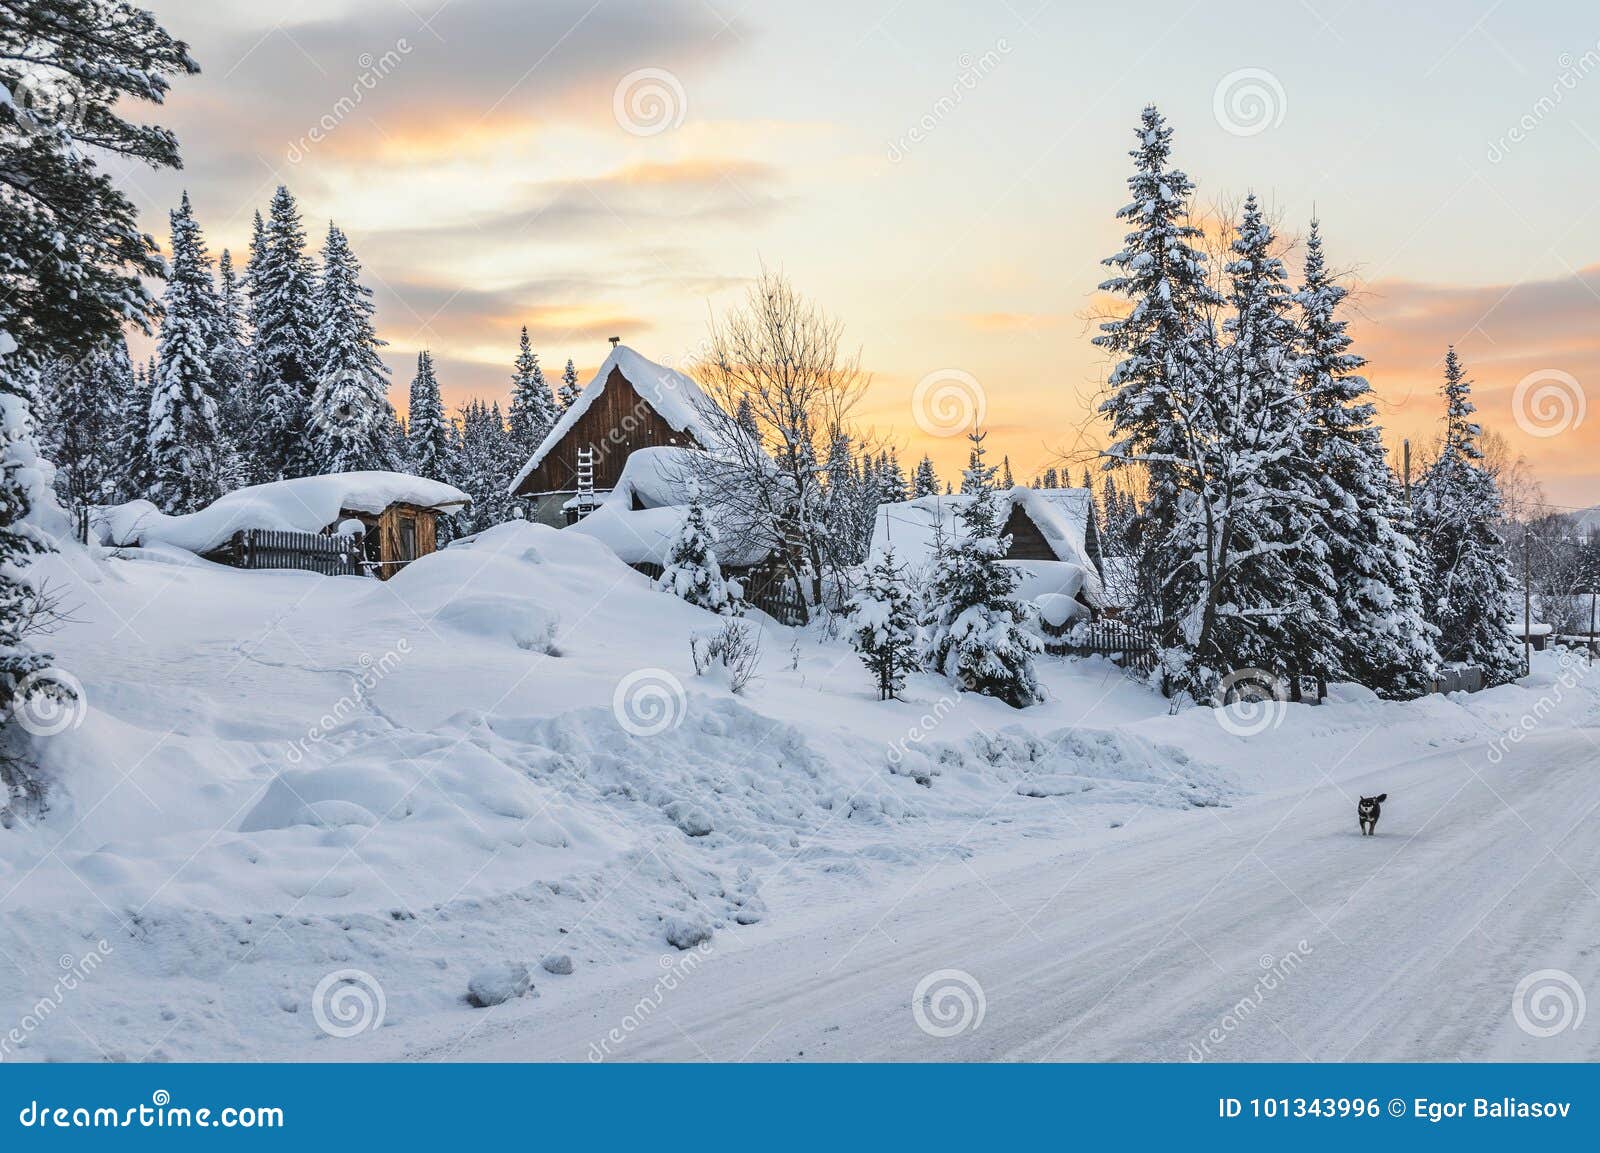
x=1404, y=946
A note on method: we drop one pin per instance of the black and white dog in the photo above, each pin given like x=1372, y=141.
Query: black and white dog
x=1368, y=810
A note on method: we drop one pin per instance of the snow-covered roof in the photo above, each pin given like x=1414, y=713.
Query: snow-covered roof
x=912, y=527
x=658, y=478
x=675, y=396
x=304, y=504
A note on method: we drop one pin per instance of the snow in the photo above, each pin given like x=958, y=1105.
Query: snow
x=674, y=395
x=498, y=984
x=503, y=755
x=656, y=477
x=304, y=504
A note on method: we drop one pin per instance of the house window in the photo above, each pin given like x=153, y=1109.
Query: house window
x=408, y=539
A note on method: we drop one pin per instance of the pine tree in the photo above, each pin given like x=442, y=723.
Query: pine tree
x=692, y=571
x=892, y=485
x=481, y=469
x=349, y=427
x=1162, y=371
x=926, y=481
x=1007, y=481
x=1468, y=583
x=568, y=392
x=89, y=400
x=1265, y=598
x=282, y=304
x=1384, y=639
x=978, y=477
x=883, y=627
x=1052, y=479
x=430, y=437
x=974, y=621
x=533, y=407
x=189, y=457
x=230, y=363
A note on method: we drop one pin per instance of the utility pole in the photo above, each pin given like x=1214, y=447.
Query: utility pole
x=1527, y=602
x=1407, y=447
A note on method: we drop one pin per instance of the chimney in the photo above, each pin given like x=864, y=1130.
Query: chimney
x=615, y=340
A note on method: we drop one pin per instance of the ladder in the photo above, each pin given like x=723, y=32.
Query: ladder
x=586, y=501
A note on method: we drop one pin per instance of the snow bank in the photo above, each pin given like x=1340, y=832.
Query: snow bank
x=304, y=504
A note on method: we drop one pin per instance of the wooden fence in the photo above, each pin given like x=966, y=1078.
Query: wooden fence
x=315, y=552
x=1133, y=646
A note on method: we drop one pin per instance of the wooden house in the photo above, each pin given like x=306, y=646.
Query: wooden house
x=1054, y=544
x=631, y=403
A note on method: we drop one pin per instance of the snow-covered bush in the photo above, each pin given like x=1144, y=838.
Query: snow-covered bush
x=736, y=648
x=692, y=571
x=883, y=623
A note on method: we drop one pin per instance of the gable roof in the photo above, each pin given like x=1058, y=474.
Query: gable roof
x=675, y=396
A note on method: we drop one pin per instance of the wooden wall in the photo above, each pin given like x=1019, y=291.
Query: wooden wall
x=1027, y=542
x=618, y=422
x=391, y=556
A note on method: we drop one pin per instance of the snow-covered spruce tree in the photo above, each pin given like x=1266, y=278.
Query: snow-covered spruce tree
x=430, y=438
x=1467, y=582
x=189, y=457
x=87, y=410
x=1007, y=481
x=1385, y=642
x=974, y=632
x=230, y=363
x=349, y=428
x=892, y=485
x=71, y=262
x=282, y=306
x=1263, y=598
x=692, y=571
x=133, y=436
x=977, y=477
x=883, y=627
x=1163, y=364
x=925, y=482
x=481, y=469
x=533, y=407
x=568, y=392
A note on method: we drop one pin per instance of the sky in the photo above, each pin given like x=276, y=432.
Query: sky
x=943, y=177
